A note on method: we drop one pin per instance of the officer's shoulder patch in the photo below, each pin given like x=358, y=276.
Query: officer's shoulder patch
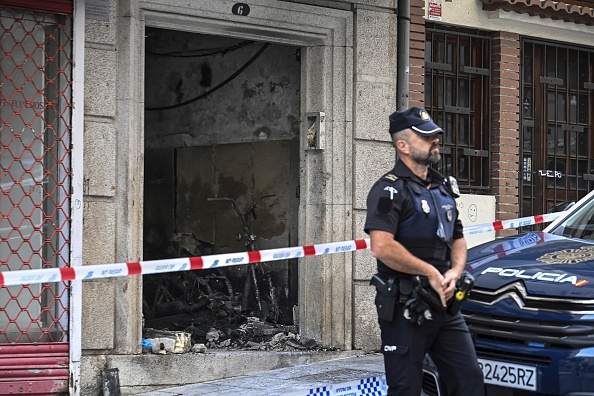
x=384, y=205
x=391, y=177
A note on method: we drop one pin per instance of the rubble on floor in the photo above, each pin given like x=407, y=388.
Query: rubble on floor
x=209, y=310
x=253, y=334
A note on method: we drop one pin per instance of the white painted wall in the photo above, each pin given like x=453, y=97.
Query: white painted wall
x=470, y=13
x=474, y=210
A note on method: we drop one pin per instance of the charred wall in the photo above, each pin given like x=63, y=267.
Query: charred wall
x=215, y=127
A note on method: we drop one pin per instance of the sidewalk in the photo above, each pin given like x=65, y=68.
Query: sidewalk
x=352, y=376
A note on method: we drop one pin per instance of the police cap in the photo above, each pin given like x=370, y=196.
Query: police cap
x=416, y=119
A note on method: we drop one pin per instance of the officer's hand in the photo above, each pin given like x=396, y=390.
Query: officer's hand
x=449, y=283
x=436, y=282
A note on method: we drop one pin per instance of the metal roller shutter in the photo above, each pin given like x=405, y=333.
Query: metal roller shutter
x=57, y=6
x=41, y=369
x=35, y=127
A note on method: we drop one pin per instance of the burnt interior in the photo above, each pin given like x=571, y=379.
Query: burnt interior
x=220, y=176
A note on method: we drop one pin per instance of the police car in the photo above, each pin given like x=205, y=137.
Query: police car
x=531, y=311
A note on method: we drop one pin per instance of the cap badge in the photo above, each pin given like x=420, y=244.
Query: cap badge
x=425, y=206
x=424, y=115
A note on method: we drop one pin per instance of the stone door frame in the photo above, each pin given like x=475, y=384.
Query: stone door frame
x=325, y=35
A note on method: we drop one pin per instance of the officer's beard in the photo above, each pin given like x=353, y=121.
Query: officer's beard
x=425, y=159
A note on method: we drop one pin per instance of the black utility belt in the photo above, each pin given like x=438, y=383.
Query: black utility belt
x=416, y=294
x=398, y=286
x=441, y=266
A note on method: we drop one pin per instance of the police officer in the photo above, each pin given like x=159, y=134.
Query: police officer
x=417, y=239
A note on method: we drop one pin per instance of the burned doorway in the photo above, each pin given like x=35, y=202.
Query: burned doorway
x=221, y=136
x=557, y=162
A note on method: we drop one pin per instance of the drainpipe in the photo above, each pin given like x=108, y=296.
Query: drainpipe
x=402, y=54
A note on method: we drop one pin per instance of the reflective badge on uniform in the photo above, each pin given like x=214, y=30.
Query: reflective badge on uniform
x=425, y=206
x=449, y=211
x=391, y=177
x=392, y=191
x=454, y=185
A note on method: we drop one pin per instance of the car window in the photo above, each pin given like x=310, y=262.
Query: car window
x=580, y=224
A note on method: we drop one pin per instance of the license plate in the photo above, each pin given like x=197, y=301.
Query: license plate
x=508, y=374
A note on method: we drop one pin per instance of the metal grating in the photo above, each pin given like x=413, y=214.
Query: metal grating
x=430, y=384
x=35, y=117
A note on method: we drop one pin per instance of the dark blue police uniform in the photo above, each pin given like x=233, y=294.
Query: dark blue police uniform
x=400, y=203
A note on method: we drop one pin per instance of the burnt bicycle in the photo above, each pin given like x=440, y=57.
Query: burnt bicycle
x=259, y=293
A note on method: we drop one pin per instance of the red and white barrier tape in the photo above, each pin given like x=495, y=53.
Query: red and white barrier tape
x=509, y=224
x=48, y=275
x=507, y=248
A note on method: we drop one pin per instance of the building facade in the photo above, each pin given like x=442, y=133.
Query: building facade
x=121, y=119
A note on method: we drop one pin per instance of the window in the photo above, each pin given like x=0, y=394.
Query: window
x=556, y=123
x=457, y=91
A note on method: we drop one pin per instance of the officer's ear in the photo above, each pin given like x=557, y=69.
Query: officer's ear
x=401, y=140
x=402, y=146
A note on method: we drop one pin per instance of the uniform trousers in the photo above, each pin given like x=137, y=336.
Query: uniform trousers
x=447, y=341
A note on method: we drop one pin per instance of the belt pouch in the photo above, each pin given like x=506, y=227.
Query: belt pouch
x=405, y=289
x=387, y=294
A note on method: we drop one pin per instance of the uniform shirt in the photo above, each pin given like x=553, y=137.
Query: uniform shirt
x=396, y=198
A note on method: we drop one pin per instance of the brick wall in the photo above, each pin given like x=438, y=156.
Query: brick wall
x=505, y=102
x=417, y=54
x=505, y=140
